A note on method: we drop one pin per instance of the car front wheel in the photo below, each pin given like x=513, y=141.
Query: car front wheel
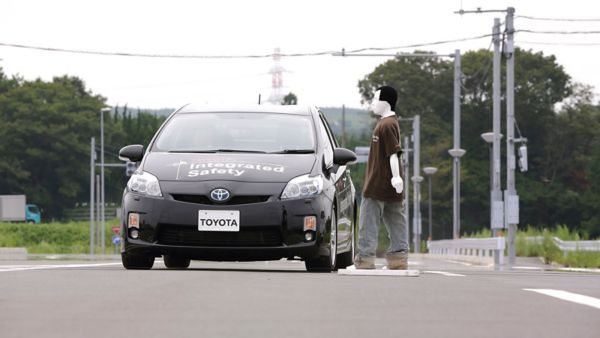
x=176, y=262
x=138, y=262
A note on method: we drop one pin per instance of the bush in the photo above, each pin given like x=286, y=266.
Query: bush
x=550, y=251
x=582, y=259
x=58, y=238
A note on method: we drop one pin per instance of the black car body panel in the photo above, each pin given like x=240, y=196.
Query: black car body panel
x=270, y=227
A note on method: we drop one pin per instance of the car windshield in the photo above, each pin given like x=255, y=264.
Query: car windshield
x=237, y=132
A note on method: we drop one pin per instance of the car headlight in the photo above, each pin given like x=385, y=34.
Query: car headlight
x=144, y=183
x=303, y=186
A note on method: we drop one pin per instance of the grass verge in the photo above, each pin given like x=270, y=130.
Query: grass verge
x=53, y=238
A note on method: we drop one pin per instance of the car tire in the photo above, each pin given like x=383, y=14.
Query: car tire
x=328, y=262
x=137, y=262
x=176, y=262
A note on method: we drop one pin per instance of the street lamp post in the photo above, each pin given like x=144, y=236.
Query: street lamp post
x=102, y=192
x=430, y=171
x=496, y=203
x=496, y=215
x=456, y=152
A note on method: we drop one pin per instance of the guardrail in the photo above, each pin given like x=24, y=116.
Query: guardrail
x=13, y=254
x=569, y=245
x=473, y=250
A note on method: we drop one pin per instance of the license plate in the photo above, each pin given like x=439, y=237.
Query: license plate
x=219, y=220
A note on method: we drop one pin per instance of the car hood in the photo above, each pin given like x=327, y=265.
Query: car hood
x=228, y=167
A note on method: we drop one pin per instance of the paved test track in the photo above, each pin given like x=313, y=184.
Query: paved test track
x=280, y=299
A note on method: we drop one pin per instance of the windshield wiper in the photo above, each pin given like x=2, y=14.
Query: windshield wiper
x=240, y=151
x=294, y=151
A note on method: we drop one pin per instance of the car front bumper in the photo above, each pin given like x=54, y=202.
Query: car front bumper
x=270, y=229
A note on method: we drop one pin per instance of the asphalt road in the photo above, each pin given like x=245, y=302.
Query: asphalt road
x=280, y=299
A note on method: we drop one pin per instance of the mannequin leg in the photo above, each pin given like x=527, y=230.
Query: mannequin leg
x=370, y=217
x=393, y=218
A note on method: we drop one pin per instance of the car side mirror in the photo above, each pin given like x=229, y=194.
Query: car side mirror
x=133, y=153
x=343, y=156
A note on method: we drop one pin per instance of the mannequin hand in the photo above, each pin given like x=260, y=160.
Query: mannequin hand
x=398, y=184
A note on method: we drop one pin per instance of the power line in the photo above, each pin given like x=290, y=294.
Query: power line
x=419, y=44
x=191, y=56
x=556, y=32
x=176, y=56
x=560, y=43
x=557, y=19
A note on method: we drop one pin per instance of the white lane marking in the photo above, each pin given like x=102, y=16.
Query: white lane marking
x=352, y=271
x=569, y=296
x=533, y=268
x=458, y=262
x=579, y=270
x=10, y=268
x=444, y=273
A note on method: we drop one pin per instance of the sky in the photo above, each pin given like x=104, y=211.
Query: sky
x=257, y=27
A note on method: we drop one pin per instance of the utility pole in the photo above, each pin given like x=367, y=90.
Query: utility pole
x=456, y=152
x=510, y=194
x=92, y=173
x=496, y=204
x=98, y=210
x=510, y=206
x=406, y=162
x=102, y=191
x=417, y=179
x=343, y=125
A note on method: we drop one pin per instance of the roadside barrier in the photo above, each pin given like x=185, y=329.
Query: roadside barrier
x=565, y=246
x=13, y=254
x=473, y=250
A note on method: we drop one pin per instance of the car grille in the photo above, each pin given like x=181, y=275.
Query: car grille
x=201, y=199
x=170, y=234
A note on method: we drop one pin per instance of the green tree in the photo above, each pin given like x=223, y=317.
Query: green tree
x=44, y=140
x=290, y=99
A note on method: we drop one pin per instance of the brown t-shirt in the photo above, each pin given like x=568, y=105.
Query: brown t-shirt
x=378, y=176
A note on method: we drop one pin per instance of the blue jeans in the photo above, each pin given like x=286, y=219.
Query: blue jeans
x=372, y=212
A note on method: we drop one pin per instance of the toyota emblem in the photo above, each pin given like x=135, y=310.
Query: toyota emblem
x=220, y=195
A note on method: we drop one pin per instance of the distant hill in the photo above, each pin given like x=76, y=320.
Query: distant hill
x=358, y=121
x=136, y=110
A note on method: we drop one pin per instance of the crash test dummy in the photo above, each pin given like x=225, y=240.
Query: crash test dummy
x=382, y=198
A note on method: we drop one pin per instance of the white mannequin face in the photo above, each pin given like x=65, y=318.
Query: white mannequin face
x=379, y=107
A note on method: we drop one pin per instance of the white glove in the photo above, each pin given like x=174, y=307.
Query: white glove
x=398, y=184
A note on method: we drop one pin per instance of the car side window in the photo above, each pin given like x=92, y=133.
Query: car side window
x=329, y=132
x=327, y=146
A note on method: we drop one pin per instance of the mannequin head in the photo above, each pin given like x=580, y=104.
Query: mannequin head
x=384, y=100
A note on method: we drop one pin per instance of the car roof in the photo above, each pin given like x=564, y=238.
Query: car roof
x=266, y=108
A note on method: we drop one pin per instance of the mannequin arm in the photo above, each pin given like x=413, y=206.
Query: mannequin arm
x=397, y=181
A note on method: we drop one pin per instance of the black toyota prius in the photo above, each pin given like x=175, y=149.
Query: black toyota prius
x=240, y=184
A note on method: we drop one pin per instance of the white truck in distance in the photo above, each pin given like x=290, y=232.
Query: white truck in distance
x=14, y=208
